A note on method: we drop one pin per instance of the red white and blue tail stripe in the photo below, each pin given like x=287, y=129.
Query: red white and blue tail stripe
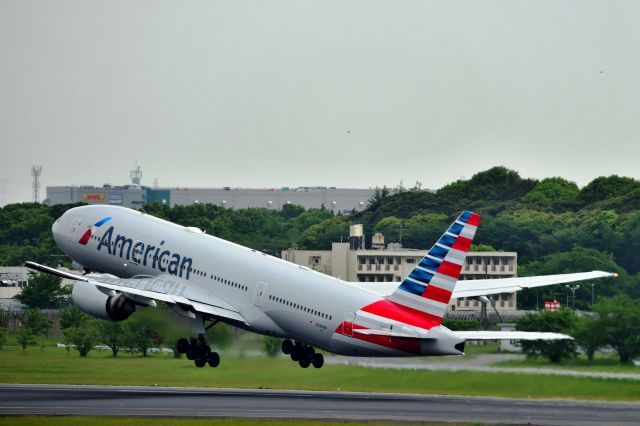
x=429, y=286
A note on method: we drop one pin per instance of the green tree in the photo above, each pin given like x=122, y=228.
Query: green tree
x=603, y=188
x=4, y=321
x=36, y=321
x=619, y=318
x=4, y=317
x=43, y=291
x=79, y=330
x=629, y=246
x=562, y=321
x=589, y=335
x=272, y=345
x=110, y=333
x=423, y=229
x=72, y=317
x=554, y=191
x=391, y=228
x=379, y=195
x=139, y=336
x=220, y=336
x=82, y=338
x=578, y=259
x=321, y=235
x=25, y=337
x=3, y=337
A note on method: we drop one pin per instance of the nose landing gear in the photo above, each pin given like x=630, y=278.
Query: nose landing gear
x=198, y=351
x=305, y=355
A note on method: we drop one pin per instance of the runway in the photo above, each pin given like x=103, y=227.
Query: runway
x=272, y=404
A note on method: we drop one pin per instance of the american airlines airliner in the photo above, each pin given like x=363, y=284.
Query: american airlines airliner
x=128, y=259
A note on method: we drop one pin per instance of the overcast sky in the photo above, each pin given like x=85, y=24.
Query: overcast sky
x=335, y=93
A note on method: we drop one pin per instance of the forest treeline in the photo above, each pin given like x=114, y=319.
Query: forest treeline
x=553, y=225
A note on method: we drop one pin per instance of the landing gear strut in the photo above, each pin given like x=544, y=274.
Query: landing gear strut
x=305, y=355
x=198, y=351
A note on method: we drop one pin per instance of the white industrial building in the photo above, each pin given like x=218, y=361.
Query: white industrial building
x=134, y=196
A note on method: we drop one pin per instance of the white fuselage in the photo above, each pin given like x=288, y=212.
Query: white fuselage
x=275, y=297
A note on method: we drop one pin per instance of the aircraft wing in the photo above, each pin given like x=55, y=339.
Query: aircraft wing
x=484, y=287
x=163, y=288
x=510, y=335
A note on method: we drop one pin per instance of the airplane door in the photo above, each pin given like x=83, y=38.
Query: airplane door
x=347, y=325
x=258, y=295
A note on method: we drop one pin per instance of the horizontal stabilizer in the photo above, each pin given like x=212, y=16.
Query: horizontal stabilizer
x=510, y=335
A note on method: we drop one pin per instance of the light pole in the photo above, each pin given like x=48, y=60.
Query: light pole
x=573, y=289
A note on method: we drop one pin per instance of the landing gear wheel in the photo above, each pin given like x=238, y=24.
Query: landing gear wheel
x=317, y=360
x=287, y=346
x=182, y=345
x=308, y=351
x=213, y=359
x=191, y=355
x=200, y=362
x=203, y=351
x=304, y=362
x=295, y=356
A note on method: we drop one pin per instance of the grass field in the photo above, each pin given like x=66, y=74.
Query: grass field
x=55, y=366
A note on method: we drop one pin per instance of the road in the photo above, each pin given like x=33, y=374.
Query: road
x=211, y=402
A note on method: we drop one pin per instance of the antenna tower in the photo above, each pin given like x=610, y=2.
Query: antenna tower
x=36, y=172
x=136, y=175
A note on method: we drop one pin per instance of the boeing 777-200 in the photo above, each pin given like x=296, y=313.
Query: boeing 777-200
x=133, y=259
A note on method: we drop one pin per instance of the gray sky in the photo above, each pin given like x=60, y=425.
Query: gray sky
x=336, y=93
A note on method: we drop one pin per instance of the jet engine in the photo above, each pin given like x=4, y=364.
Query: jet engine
x=90, y=300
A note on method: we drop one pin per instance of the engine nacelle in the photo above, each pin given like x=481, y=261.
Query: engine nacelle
x=90, y=300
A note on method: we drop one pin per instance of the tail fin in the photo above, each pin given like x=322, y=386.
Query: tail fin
x=429, y=286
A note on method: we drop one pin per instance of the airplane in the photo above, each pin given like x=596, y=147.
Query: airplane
x=128, y=259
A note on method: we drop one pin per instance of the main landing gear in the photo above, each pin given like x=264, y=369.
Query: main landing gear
x=305, y=355
x=198, y=351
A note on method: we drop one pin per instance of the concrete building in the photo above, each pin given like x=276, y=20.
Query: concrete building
x=12, y=280
x=134, y=196
x=392, y=265
x=128, y=195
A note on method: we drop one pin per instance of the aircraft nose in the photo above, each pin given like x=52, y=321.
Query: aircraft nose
x=56, y=228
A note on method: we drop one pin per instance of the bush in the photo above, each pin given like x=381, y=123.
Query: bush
x=459, y=325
